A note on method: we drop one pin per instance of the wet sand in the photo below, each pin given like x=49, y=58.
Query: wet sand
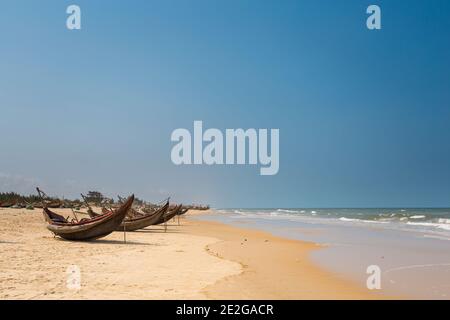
x=273, y=267
x=196, y=260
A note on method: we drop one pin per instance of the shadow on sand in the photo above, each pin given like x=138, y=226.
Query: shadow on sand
x=156, y=231
x=9, y=242
x=115, y=242
x=127, y=242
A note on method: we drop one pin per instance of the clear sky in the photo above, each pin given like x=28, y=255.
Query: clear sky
x=364, y=116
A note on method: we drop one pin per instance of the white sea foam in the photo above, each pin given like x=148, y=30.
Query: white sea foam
x=389, y=219
x=360, y=220
x=425, y=224
x=287, y=211
x=349, y=220
x=444, y=226
x=432, y=236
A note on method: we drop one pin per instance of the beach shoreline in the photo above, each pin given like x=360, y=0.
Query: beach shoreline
x=412, y=263
x=274, y=267
x=196, y=260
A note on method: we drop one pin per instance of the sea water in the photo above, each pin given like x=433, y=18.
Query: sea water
x=411, y=246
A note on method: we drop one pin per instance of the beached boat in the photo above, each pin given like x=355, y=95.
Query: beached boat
x=132, y=213
x=136, y=220
x=142, y=221
x=170, y=214
x=48, y=204
x=87, y=229
x=183, y=211
x=55, y=204
x=7, y=204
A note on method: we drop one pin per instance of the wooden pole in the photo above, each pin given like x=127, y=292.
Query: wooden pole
x=75, y=215
x=40, y=193
x=86, y=202
x=165, y=224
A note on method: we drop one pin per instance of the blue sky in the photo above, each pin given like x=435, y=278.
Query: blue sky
x=363, y=115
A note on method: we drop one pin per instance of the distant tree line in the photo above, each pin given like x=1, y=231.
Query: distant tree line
x=93, y=197
x=17, y=198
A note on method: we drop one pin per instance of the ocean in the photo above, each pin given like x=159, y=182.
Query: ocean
x=410, y=245
x=434, y=221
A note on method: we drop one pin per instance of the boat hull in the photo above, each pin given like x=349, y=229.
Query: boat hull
x=93, y=229
x=169, y=215
x=143, y=222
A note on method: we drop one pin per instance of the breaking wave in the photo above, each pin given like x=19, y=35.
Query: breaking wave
x=360, y=220
x=287, y=211
x=444, y=226
x=413, y=219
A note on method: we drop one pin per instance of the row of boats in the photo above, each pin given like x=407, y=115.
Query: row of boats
x=123, y=217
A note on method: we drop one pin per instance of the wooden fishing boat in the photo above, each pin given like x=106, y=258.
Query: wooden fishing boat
x=170, y=214
x=142, y=221
x=135, y=220
x=7, y=204
x=87, y=229
x=48, y=204
x=132, y=213
x=54, y=204
x=183, y=211
x=148, y=209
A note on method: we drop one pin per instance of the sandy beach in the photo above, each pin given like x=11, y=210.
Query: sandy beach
x=193, y=260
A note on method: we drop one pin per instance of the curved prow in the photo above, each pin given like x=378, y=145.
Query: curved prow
x=127, y=204
x=51, y=216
